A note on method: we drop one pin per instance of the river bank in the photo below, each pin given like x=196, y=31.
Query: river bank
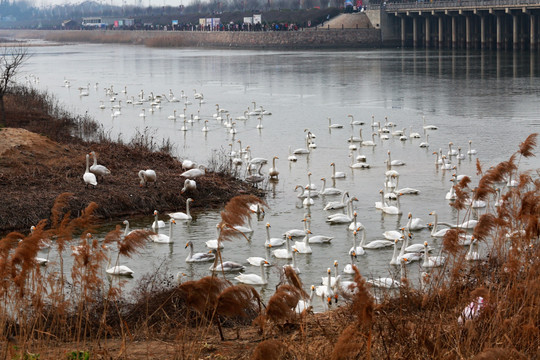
x=41, y=159
x=307, y=39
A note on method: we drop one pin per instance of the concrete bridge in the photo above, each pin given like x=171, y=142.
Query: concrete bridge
x=492, y=24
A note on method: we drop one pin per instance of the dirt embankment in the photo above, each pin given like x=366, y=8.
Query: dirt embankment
x=34, y=170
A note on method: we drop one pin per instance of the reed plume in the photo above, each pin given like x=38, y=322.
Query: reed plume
x=236, y=212
x=526, y=147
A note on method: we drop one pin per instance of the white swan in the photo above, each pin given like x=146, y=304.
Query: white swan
x=173, y=116
x=189, y=185
x=147, y=176
x=193, y=173
x=342, y=218
x=337, y=174
x=334, y=205
x=394, y=260
x=303, y=246
x=272, y=242
x=355, y=122
x=460, y=156
x=425, y=144
x=358, y=249
x=432, y=261
x=330, y=190
x=380, y=204
x=428, y=127
x=471, y=151
x=369, y=142
x=284, y=253
x=393, y=234
x=245, y=229
x=99, y=170
x=162, y=238
x=331, y=279
x=198, y=257
x=291, y=157
x=157, y=223
x=333, y=126
x=293, y=266
x=225, y=266
x=473, y=254
x=451, y=152
x=273, y=172
x=88, y=177
x=297, y=232
x=349, y=269
x=205, y=127
x=214, y=243
x=390, y=162
x=360, y=162
x=355, y=224
x=435, y=232
x=180, y=215
x=376, y=244
x=414, y=223
x=256, y=260
x=325, y=291
x=393, y=209
x=305, y=304
x=120, y=270
x=405, y=190
x=254, y=279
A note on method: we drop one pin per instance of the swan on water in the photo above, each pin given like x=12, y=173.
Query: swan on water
x=162, y=238
x=181, y=215
x=198, y=257
x=254, y=279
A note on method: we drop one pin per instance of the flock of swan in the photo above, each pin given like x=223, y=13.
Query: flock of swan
x=338, y=205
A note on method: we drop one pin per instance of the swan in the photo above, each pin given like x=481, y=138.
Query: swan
x=330, y=190
x=305, y=304
x=391, y=209
x=272, y=242
x=310, y=184
x=173, y=116
x=334, y=205
x=333, y=126
x=353, y=122
x=411, y=255
x=88, y=177
x=415, y=248
x=157, y=223
x=297, y=232
x=405, y=190
x=308, y=201
x=434, y=231
x=331, y=279
x=291, y=157
x=180, y=215
x=205, y=127
x=337, y=174
x=369, y=142
x=320, y=239
x=460, y=156
x=358, y=249
x=394, y=260
x=375, y=244
x=189, y=185
x=342, y=218
x=304, y=194
x=259, y=125
x=142, y=113
x=428, y=127
x=390, y=162
x=348, y=269
x=414, y=223
x=284, y=253
x=293, y=266
x=162, y=238
x=198, y=257
x=432, y=261
x=451, y=152
x=214, y=243
x=256, y=260
x=120, y=270
x=380, y=204
x=354, y=225
x=254, y=279
x=386, y=283
x=393, y=234
x=98, y=169
x=303, y=246
x=471, y=151
x=225, y=266
x=360, y=162
x=188, y=164
x=414, y=135
x=473, y=253
x=146, y=177
x=273, y=172
x=245, y=229
x=325, y=291
x=425, y=144
x=446, y=164
x=193, y=173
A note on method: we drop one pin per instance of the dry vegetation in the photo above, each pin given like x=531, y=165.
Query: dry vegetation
x=44, y=315
x=35, y=169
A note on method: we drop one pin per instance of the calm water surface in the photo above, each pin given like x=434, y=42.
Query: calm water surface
x=489, y=98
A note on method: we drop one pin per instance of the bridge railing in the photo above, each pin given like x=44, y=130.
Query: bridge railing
x=412, y=4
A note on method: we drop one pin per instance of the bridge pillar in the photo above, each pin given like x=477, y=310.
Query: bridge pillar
x=414, y=32
x=454, y=32
x=499, y=31
x=482, y=31
x=515, y=31
x=532, y=18
x=403, y=31
x=468, y=31
x=428, y=32
x=441, y=32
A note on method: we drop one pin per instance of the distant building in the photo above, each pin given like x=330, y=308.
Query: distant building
x=70, y=25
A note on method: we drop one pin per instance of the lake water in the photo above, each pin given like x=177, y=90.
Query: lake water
x=491, y=98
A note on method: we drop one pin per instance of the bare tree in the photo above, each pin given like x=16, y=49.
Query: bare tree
x=11, y=59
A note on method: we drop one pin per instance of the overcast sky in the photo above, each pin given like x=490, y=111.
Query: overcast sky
x=144, y=3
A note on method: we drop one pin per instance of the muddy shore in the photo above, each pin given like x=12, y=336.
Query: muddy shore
x=41, y=159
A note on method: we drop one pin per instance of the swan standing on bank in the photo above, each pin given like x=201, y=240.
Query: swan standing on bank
x=88, y=177
x=189, y=185
x=99, y=170
x=147, y=176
